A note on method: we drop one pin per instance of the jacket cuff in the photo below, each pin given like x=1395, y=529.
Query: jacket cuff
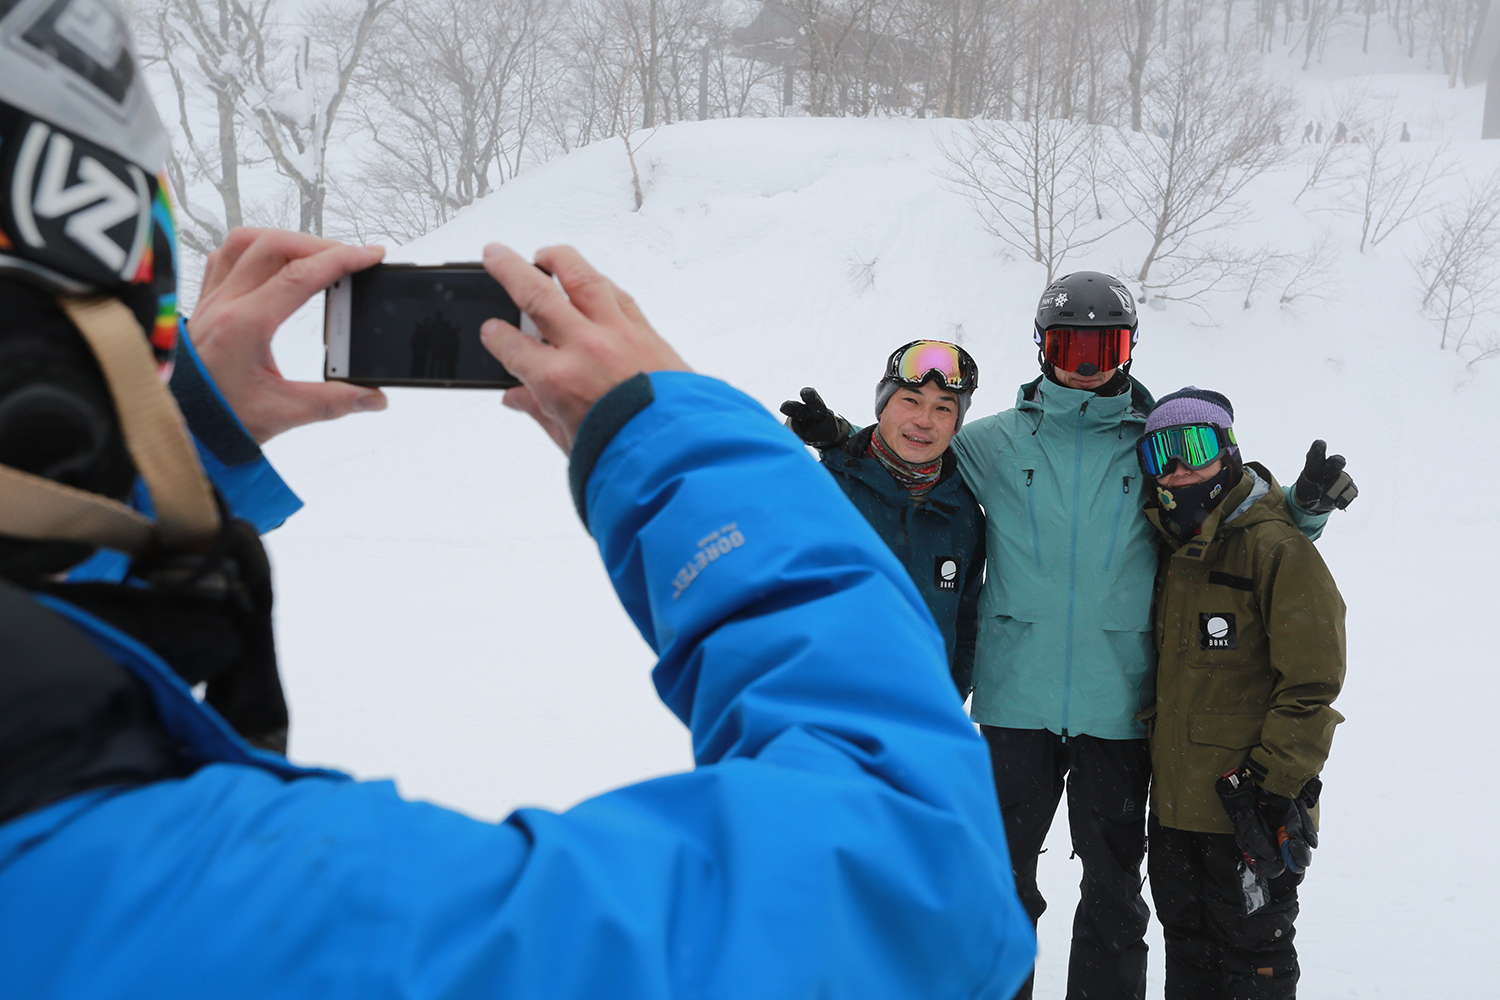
x=611, y=412
x=205, y=409
x=1270, y=775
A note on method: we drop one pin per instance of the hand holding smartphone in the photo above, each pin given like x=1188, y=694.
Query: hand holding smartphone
x=416, y=325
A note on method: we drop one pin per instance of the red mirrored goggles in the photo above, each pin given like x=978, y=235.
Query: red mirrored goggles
x=1070, y=349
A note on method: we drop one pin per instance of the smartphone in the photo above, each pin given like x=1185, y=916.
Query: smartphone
x=416, y=325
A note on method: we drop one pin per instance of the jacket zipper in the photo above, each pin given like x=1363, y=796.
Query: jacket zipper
x=1114, y=531
x=1036, y=535
x=1073, y=567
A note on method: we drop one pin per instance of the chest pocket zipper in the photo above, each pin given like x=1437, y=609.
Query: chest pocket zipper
x=1114, y=531
x=1036, y=535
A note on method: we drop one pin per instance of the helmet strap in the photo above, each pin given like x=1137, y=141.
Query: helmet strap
x=39, y=509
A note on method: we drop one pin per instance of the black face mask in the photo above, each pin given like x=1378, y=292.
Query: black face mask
x=1185, y=508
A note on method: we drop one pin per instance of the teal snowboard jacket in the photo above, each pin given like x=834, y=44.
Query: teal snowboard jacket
x=1065, y=640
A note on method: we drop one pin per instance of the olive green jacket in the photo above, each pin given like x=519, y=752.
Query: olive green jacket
x=1250, y=628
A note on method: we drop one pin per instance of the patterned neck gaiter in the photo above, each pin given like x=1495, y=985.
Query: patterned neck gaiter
x=918, y=479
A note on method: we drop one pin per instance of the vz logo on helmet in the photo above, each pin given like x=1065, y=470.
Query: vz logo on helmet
x=1124, y=297
x=65, y=198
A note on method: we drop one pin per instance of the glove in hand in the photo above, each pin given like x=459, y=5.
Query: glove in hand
x=1323, y=485
x=811, y=419
x=1251, y=832
x=1290, y=821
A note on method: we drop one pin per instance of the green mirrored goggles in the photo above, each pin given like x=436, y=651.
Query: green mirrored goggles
x=1195, y=446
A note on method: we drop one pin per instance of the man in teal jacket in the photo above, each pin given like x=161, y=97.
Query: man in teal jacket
x=1065, y=656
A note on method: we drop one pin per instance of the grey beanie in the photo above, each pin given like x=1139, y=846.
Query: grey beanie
x=886, y=388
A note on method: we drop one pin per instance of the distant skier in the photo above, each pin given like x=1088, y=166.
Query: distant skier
x=1318, y=135
x=1340, y=133
x=1307, y=133
x=1405, y=135
x=1250, y=630
x=902, y=476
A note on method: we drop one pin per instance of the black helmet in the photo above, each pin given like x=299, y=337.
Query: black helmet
x=1085, y=322
x=1086, y=299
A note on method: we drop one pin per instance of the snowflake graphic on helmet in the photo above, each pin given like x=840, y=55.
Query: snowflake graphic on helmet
x=1060, y=300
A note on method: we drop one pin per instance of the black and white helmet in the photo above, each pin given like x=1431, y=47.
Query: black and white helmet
x=82, y=206
x=1086, y=299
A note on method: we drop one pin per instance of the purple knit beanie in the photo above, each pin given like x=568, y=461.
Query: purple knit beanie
x=1191, y=405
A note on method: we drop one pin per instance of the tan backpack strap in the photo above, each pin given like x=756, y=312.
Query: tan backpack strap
x=158, y=439
x=42, y=510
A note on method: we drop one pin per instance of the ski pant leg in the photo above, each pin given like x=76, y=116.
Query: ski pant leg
x=1214, y=951
x=1028, y=766
x=1108, y=784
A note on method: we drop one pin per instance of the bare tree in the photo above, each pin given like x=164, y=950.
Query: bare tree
x=1301, y=275
x=731, y=85
x=1309, y=273
x=212, y=53
x=1135, y=21
x=1329, y=162
x=1459, y=266
x=1213, y=132
x=293, y=101
x=447, y=101
x=1394, y=183
x=1031, y=182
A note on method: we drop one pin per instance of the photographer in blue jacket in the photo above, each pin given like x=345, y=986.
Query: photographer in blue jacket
x=837, y=837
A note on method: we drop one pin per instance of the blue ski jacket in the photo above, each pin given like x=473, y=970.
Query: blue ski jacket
x=1065, y=638
x=838, y=836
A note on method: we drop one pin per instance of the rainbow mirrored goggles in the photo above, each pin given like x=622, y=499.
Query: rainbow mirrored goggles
x=1195, y=446
x=921, y=360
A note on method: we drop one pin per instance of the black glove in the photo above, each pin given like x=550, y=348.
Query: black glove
x=1291, y=822
x=1238, y=793
x=1273, y=832
x=812, y=420
x=1324, y=485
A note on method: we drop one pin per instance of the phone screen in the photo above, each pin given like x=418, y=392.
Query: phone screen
x=412, y=325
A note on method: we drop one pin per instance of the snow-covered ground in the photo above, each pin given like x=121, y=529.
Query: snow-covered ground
x=444, y=618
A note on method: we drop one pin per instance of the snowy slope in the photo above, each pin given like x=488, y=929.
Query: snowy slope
x=444, y=618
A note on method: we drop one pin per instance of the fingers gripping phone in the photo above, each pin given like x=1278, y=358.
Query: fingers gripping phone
x=416, y=325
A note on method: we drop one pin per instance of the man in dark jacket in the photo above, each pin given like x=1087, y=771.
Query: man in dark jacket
x=902, y=476
x=1250, y=630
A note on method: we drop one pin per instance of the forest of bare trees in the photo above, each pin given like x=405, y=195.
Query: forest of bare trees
x=432, y=104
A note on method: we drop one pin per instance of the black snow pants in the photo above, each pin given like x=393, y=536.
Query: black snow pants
x=1107, y=783
x=1215, y=951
